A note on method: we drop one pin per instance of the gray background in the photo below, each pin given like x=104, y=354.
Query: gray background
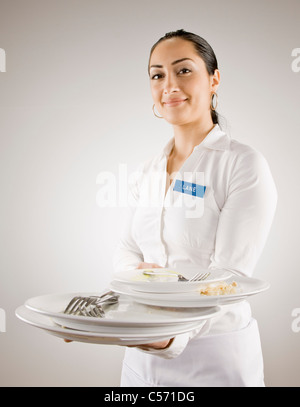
x=75, y=101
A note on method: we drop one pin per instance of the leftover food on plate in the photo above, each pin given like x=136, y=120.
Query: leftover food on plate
x=155, y=275
x=220, y=288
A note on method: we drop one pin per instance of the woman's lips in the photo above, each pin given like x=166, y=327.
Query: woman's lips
x=174, y=102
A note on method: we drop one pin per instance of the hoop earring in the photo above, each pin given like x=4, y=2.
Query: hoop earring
x=156, y=115
x=214, y=105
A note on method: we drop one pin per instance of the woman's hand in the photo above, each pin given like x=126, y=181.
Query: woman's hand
x=155, y=345
x=148, y=265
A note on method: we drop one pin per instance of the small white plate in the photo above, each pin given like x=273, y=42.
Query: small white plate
x=43, y=322
x=245, y=287
x=159, y=283
x=127, y=316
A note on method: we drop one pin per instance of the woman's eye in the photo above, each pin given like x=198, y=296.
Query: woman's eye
x=156, y=76
x=185, y=70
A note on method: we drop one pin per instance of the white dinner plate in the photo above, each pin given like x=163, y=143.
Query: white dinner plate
x=45, y=323
x=245, y=287
x=165, y=280
x=125, y=316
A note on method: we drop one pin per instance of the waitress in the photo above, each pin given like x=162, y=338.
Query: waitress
x=211, y=203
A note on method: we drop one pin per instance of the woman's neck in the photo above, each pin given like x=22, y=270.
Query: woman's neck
x=188, y=136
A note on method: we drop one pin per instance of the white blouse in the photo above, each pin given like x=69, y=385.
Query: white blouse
x=217, y=213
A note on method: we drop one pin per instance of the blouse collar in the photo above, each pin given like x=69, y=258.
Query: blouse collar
x=216, y=139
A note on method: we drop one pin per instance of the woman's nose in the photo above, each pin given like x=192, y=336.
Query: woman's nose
x=170, y=85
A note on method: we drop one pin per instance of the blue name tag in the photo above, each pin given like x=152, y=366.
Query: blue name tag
x=189, y=188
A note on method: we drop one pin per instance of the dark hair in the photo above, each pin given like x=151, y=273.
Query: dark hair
x=203, y=49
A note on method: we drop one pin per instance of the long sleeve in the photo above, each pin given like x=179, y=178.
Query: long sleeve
x=247, y=215
x=127, y=254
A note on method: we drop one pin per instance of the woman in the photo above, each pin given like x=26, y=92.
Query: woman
x=222, y=222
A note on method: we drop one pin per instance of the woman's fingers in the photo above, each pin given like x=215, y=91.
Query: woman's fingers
x=155, y=345
x=148, y=265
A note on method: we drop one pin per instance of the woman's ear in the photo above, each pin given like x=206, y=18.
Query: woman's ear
x=215, y=81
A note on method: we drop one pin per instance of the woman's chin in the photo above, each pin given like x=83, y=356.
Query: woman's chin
x=176, y=120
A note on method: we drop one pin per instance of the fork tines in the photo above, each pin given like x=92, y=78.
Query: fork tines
x=90, y=306
x=200, y=277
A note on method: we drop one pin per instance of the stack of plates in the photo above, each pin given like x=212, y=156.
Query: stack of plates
x=169, y=292
x=149, y=308
x=124, y=323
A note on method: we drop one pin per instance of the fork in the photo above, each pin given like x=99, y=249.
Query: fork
x=90, y=306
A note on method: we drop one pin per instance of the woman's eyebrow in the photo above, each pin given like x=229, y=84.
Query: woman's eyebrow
x=173, y=63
